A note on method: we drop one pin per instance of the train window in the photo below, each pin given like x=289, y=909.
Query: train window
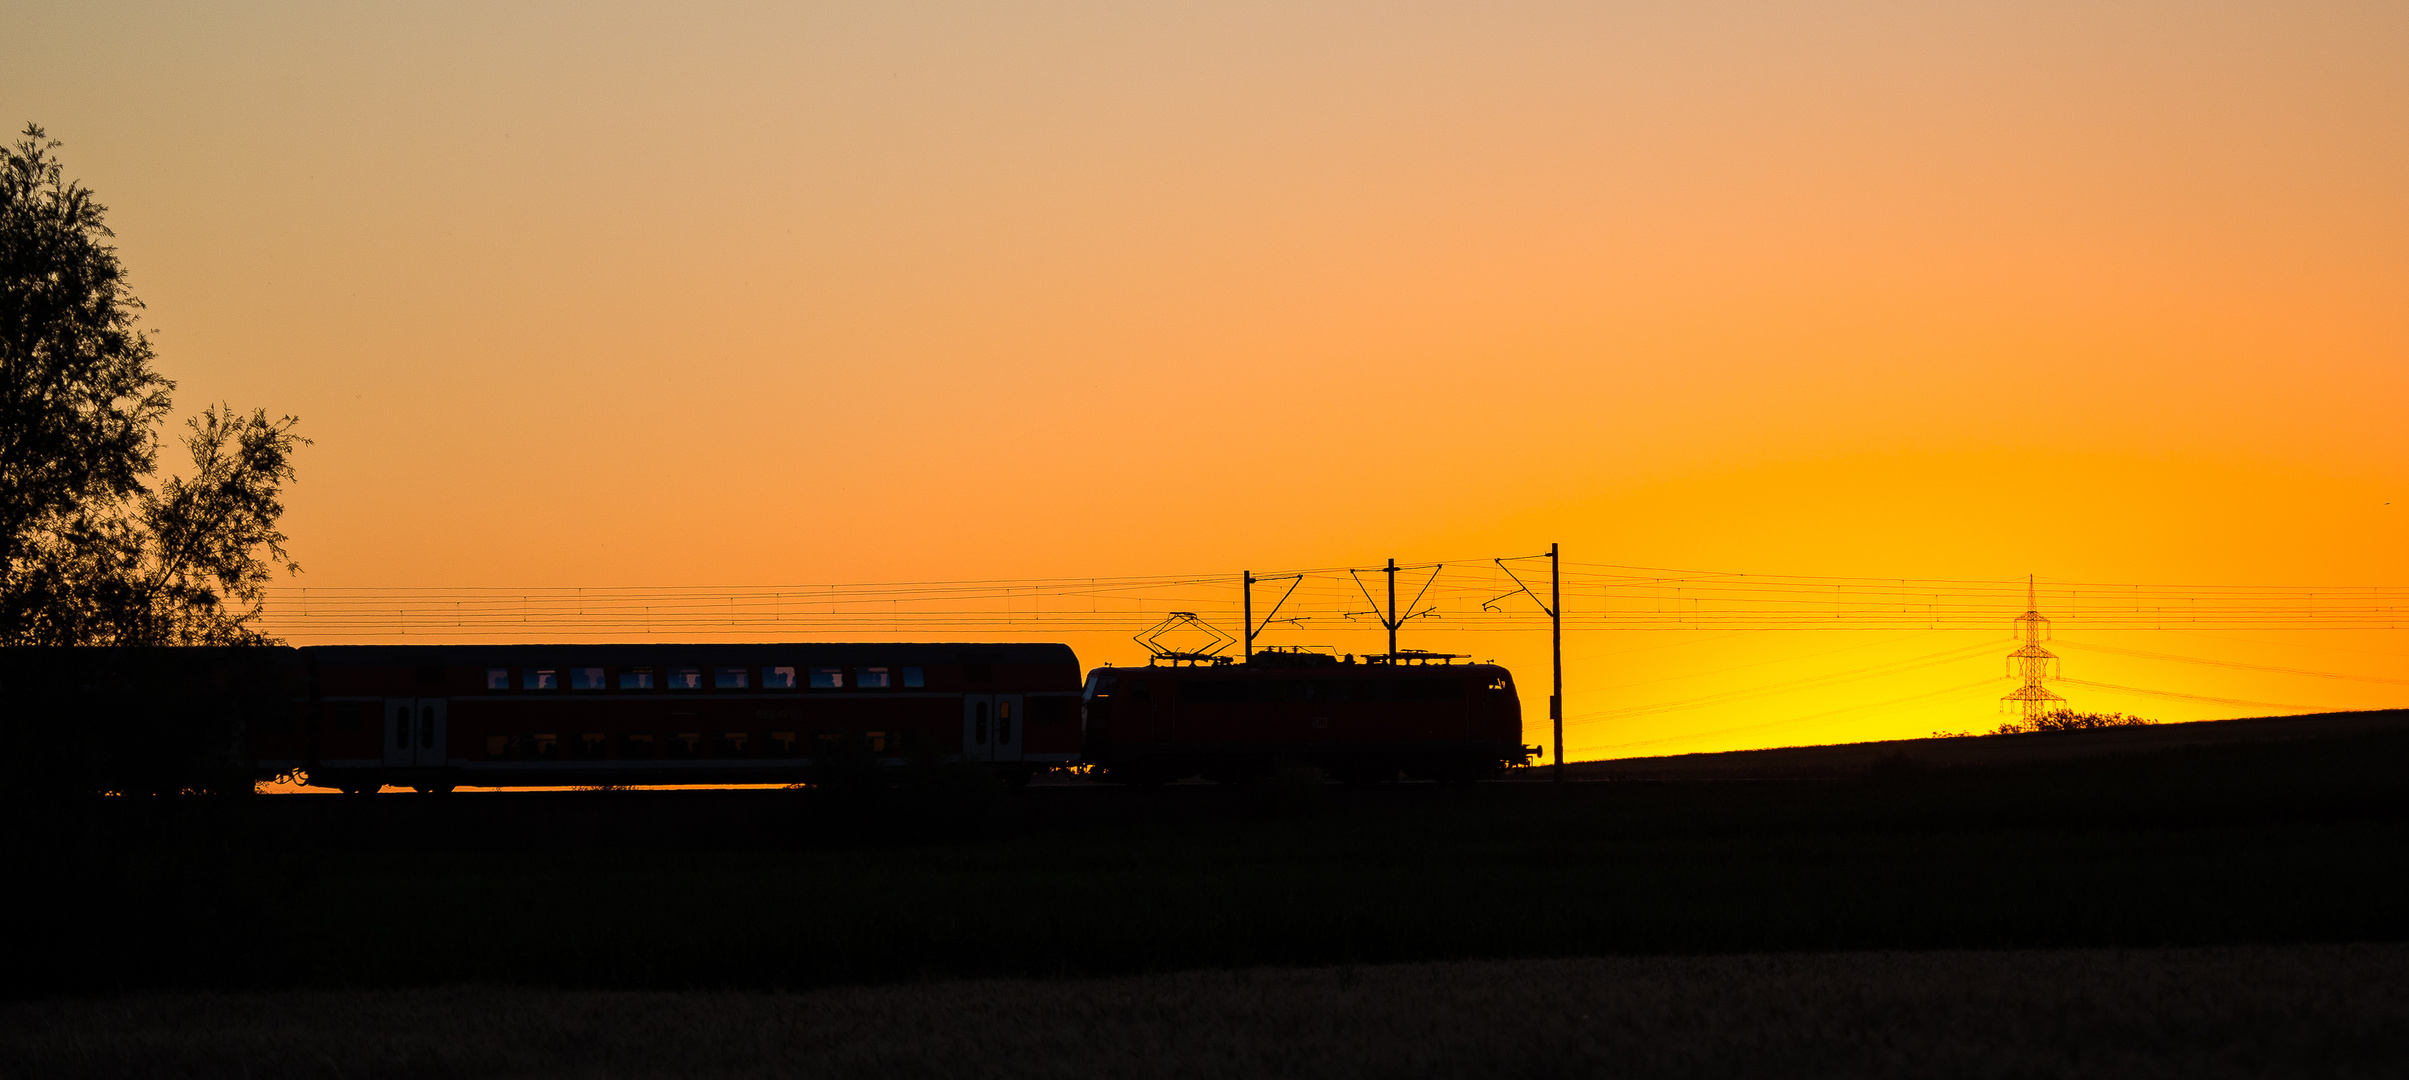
x=782, y=744
x=585, y=678
x=686, y=744
x=777, y=678
x=730, y=678
x=871, y=678
x=732, y=744
x=912, y=679
x=827, y=678
x=638, y=678
x=497, y=678
x=685, y=678
x=877, y=741
x=539, y=679
x=1003, y=721
x=543, y=747
x=636, y=747
x=497, y=746
x=590, y=744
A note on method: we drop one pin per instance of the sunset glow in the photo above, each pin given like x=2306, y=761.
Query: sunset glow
x=747, y=299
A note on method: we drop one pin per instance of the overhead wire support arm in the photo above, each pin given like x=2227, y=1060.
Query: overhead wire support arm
x=1388, y=616
x=1247, y=611
x=1376, y=611
x=1410, y=609
x=1522, y=588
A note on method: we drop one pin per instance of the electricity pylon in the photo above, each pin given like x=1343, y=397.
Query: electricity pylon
x=2033, y=699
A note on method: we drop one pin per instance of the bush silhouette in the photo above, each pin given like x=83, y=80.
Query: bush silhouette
x=2070, y=720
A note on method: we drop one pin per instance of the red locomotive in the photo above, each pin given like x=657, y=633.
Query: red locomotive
x=1415, y=714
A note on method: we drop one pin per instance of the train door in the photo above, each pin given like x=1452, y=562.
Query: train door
x=1135, y=713
x=978, y=727
x=415, y=732
x=991, y=727
x=401, y=732
x=434, y=722
x=1008, y=725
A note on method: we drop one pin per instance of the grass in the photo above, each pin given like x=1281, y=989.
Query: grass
x=2291, y=1011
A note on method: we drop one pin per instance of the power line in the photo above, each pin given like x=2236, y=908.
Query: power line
x=1803, y=719
x=1871, y=671
x=2191, y=697
x=2232, y=664
x=1761, y=663
x=1459, y=596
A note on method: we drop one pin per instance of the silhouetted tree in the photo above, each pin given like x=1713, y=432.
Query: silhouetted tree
x=97, y=552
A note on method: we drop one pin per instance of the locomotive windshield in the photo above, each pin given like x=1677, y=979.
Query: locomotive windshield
x=1097, y=698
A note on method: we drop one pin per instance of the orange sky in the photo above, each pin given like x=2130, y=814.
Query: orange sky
x=587, y=295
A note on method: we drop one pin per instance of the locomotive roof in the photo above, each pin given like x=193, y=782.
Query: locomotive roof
x=832, y=652
x=1284, y=671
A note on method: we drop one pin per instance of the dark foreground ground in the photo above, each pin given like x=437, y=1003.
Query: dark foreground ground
x=2305, y=841
x=2296, y=1011
x=2211, y=909
x=2215, y=908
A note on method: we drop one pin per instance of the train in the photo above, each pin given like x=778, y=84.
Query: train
x=1413, y=715
x=431, y=718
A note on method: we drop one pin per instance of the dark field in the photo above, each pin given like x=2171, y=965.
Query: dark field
x=2297, y=1011
x=2264, y=843
x=1852, y=759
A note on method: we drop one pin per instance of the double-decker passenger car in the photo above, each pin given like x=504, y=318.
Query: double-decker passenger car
x=1363, y=722
x=433, y=717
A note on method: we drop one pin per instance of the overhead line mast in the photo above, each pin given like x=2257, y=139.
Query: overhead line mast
x=1391, y=571
x=1555, y=639
x=2033, y=698
x=1555, y=647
